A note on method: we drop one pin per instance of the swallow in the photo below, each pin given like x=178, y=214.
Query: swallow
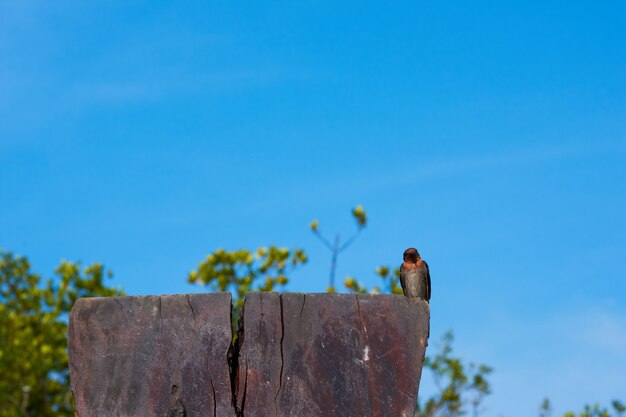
x=414, y=275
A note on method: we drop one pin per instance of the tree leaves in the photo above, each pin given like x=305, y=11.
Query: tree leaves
x=390, y=282
x=33, y=356
x=360, y=216
x=460, y=385
x=241, y=270
x=617, y=409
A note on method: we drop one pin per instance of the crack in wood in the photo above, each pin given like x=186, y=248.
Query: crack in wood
x=193, y=313
x=282, y=359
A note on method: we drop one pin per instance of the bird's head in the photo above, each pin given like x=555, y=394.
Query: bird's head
x=411, y=255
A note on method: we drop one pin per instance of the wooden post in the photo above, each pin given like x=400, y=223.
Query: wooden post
x=300, y=355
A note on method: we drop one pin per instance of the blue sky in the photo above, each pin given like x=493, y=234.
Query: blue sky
x=492, y=136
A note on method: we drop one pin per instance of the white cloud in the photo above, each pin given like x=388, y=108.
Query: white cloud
x=603, y=330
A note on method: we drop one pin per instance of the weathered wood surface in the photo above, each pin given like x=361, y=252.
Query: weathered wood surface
x=151, y=356
x=300, y=355
x=331, y=355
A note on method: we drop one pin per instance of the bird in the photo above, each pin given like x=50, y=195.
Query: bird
x=414, y=275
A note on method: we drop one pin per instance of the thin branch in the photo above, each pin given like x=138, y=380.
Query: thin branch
x=323, y=239
x=349, y=241
x=333, y=262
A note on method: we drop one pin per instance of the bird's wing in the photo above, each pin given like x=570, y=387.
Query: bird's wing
x=402, y=278
x=427, y=279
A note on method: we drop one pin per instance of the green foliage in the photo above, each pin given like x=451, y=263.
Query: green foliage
x=241, y=271
x=360, y=216
x=390, y=282
x=355, y=287
x=33, y=357
x=390, y=278
x=459, y=385
x=617, y=409
x=545, y=409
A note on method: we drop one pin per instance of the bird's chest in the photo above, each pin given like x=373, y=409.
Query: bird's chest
x=412, y=278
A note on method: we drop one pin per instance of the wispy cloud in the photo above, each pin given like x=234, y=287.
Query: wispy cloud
x=487, y=161
x=116, y=92
x=600, y=329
